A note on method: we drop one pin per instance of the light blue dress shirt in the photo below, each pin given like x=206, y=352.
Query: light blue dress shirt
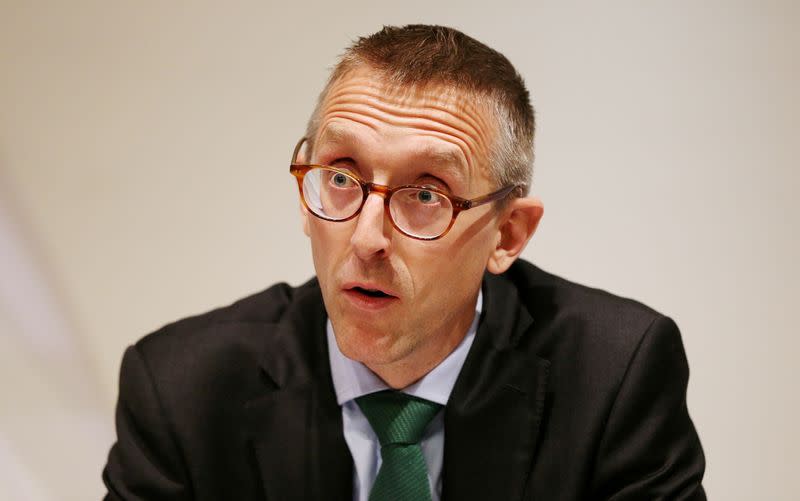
x=353, y=379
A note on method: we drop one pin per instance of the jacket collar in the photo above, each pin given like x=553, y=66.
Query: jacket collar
x=295, y=426
x=492, y=420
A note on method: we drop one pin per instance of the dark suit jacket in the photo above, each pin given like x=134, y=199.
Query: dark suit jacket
x=568, y=393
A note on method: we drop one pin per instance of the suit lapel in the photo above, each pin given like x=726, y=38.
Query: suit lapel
x=295, y=426
x=493, y=416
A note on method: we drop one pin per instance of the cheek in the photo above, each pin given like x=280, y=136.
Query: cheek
x=467, y=258
x=328, y=238
x=440, y=270
x=324, y=245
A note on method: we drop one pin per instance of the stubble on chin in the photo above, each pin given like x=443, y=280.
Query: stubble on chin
x=372, y=346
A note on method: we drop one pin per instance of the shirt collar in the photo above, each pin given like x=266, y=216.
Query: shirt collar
x=352, y=379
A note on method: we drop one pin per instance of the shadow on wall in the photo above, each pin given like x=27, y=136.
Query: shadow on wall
x=54, y=433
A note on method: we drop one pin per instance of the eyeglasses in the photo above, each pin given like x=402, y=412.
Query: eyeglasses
x=421, y=212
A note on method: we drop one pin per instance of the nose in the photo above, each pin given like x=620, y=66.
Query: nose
x=370, y=240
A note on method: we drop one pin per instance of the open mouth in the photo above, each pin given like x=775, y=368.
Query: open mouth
x=371, y=292
x=369, y=296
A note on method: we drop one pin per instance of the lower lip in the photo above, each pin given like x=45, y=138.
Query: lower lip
x=370, y=303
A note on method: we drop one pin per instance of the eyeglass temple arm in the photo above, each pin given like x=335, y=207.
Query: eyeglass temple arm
x=297, y=148
x=491, y=197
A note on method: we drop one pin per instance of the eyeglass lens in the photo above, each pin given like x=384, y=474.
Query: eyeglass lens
x=337, y=196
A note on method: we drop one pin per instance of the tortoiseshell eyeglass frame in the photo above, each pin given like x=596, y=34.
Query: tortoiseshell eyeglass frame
x=458, y=204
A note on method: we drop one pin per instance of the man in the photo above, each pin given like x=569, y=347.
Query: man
x=425, y=360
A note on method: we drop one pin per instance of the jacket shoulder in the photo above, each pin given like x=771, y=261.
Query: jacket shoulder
x=617, y=369
x=194, y=363
x=266, y=306
x=580, y=326
x=548, y=296
x=235, y=327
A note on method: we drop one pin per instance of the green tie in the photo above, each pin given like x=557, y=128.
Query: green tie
x=399, y=421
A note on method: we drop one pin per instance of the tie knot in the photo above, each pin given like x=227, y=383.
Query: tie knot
x=397, y=418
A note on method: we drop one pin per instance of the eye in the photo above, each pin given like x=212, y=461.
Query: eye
x=427, y=197
x=341, y=181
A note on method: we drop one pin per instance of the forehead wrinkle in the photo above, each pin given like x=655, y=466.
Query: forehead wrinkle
x=462, y=146
x=443, y=159
x=474, y=121
x=473, y=151
x=332, y=132
x=349, y=90
x=335, y=133
x=393, y=100
x=474, y=124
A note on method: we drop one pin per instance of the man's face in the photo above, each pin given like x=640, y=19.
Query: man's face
x=394, y=136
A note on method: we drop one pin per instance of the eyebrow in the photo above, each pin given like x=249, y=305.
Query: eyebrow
x=446, y=157
x=337, y=135
x=445, y=161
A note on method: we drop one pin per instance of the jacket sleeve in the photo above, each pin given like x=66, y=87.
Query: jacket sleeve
x=650, y=449
x=145, y=462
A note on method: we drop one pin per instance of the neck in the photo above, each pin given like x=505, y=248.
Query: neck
x=405, y=372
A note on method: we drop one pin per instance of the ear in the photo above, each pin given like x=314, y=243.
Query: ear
x=518, y=224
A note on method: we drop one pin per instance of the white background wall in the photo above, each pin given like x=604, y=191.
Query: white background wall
x=143, y=177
